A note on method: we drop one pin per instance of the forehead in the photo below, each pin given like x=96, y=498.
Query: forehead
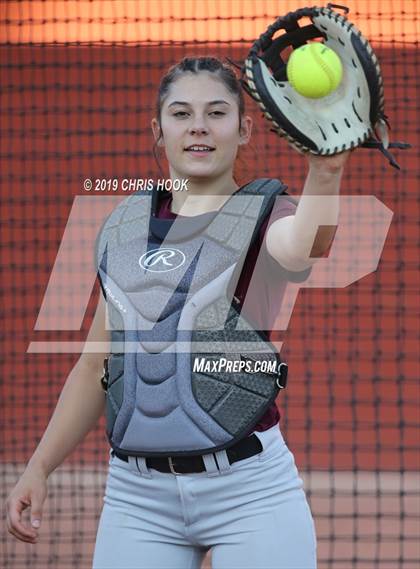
x=198, y=88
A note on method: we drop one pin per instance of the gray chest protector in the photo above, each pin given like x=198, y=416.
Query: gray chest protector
x=169, y=288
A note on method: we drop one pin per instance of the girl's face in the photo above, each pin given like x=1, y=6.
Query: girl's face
x=200, y=127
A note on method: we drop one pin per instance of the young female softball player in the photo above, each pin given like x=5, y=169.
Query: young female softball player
x=243, y=501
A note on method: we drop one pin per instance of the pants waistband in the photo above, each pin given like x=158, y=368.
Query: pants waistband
x=245, y=448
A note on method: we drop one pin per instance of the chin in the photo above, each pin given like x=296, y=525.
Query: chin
x=200, y=173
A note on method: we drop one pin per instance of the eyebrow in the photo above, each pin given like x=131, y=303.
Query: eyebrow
x=217, y=102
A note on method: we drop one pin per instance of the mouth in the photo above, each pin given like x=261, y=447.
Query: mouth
x=199, y=149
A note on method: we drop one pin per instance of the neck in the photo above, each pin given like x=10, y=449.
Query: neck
x=203, y=195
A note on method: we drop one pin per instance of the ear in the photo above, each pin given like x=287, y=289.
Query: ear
x=245, y=130
x=157, y=132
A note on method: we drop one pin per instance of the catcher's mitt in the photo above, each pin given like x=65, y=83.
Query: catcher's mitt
x=351, y=116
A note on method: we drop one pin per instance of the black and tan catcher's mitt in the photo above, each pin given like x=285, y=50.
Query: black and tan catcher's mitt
x=352, y=115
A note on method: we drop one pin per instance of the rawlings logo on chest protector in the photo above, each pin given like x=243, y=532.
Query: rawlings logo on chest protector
x=162, y=260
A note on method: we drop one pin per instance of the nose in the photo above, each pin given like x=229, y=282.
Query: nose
x=198, y=126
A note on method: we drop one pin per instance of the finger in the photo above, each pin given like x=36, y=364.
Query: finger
x=15, y=508
x=36, y=511
x=21, y=531
x=18, y=536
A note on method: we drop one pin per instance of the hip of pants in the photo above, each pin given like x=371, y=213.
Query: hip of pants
x=252, y=514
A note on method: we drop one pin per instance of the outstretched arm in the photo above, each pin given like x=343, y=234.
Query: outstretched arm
x=296, y=241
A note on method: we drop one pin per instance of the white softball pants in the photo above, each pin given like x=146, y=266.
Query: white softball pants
x=252, y=514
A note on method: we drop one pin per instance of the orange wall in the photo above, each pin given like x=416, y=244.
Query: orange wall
x=186, y=20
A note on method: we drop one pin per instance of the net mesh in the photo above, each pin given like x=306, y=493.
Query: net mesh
x=78, y=83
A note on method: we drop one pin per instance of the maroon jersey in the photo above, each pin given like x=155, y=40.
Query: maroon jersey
x=263, y=295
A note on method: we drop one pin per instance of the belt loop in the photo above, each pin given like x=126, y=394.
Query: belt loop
x=222, y=461
x=142, y=466
x=210, y=464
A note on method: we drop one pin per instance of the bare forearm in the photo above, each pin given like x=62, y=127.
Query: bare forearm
x=317, y=213
x=78, y=409
x=296, y=241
